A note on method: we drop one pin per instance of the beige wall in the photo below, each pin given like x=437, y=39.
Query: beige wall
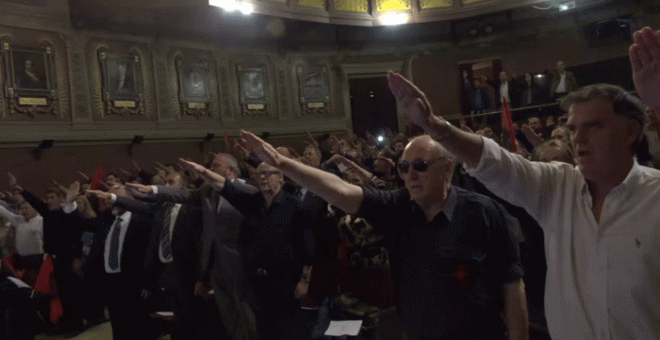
x=170, y=134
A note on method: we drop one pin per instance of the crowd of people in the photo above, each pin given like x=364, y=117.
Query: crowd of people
x=519, y=92
x=452, y=230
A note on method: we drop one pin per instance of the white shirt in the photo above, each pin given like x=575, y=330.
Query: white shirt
x=561, y=87
x=123, y=225
x=603, y=279
x=174, y=213
x=504, y=91
x=29, y=237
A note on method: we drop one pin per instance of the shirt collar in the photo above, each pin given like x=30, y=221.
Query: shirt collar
x=125, y=216
x=633, y=179
x=628, y=185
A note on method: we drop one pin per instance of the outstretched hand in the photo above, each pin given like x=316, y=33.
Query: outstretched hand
x=73, y=192
x=101, y=195
x=417, y=107
x=259, y=147
x=83, y=175
x=139, y=189
x=210, y=177
x=645, y=61
x=534, y=138
x=12, y=181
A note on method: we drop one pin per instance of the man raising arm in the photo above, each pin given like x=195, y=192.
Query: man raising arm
x=426, y=223
x=600, y=218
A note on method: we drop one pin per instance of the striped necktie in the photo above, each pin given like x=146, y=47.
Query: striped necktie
x=113, y=258
x=165, y=242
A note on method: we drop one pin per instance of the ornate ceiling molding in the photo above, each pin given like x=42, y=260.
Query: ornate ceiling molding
x=358, y=12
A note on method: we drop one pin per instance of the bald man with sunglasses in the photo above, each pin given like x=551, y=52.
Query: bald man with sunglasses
x=454, y=255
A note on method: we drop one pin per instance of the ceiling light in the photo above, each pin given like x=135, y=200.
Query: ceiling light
x=246, y=8
x=233, y=5
x=566, y=6
x=392, y=19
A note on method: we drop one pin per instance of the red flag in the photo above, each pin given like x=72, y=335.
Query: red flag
x=44, y=285
x=56, y=310
x=97, y=178
x=507, y=124
x=43, y=282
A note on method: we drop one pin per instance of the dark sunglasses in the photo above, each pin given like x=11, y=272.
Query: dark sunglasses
x=418, y=164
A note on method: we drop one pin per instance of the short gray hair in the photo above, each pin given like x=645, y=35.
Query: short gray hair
x=625, y=104
x=233, y=163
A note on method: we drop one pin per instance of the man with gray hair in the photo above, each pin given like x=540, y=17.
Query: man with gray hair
x=600, y=219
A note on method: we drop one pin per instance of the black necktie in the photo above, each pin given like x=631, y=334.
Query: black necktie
x=165, y=242
x=113, y=258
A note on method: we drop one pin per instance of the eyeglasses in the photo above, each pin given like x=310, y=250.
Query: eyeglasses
x=418, y=164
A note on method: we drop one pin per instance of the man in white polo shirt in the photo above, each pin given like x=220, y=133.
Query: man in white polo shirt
x=601, y=219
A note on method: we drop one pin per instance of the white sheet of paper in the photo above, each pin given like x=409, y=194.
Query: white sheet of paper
x=18, y=283
x=348, y=327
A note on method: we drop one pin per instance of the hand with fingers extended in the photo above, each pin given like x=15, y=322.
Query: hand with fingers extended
x=83, y=175
x=126, y=173
x=59, y=186
x=73, y=192
x=139, y=189
x=533, y=138
x=414, y=101
x=261, y=149
x=101, y=195
x=136, y=165
x=645, y=61
x=215, y=180
x=13, y=182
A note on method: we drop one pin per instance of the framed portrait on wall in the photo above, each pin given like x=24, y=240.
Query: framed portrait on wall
x=194, y=84
x=253, y=88
x=122, y=85
x=314, y=89
x=29, y=74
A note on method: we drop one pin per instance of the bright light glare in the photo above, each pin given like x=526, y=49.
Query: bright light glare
x=246, y=8
x=233, y=5
x=394, y=18
x=381, y=139
x=563, y=7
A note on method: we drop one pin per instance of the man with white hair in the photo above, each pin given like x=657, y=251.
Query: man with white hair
x=454, y=255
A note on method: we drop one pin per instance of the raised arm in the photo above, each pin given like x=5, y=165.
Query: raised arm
x=127, y=203
x=645, y=61
x=13, y=218
x=466, y=147
x=332, y=189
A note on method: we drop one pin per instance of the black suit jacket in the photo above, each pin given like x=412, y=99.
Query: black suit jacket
x=186, y=244
x=220, y=226
x=61, y=233
x=133, y=250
